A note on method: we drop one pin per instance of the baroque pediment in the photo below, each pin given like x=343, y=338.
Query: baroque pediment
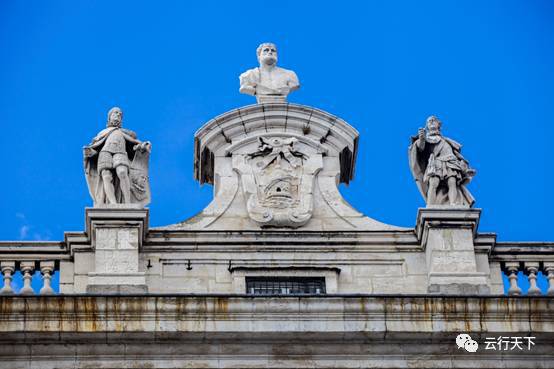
x=277, y=165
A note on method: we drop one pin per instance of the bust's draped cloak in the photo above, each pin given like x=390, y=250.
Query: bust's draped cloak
x=253, y=78
x=138, y=170
x=418, y=165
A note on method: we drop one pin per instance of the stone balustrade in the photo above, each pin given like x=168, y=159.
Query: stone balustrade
x=530, y=258
x=530, y=270
x=523, y=263
x=29, y=258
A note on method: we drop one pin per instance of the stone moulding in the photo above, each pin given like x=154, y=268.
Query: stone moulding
x=441, y=217
x=124, y=217
x=332, y=134
x=200, y=313
x=174, y=331
x=309, y=142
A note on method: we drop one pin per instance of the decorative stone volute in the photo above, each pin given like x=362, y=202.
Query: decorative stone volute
x=277, y=165
x=277, y=152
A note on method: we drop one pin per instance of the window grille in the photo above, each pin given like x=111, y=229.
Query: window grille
x=285, y=285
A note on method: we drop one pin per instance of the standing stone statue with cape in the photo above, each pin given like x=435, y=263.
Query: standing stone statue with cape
x=116, y=165
x=440, y=170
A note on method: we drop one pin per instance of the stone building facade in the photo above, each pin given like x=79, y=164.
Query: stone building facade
x=278, y=270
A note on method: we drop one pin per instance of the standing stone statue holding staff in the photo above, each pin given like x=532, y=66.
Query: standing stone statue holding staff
x=116, y=165
x=440, y=170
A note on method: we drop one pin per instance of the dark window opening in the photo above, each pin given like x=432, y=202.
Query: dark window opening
x=285, y=285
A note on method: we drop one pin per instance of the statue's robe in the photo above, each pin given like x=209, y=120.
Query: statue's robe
x=419, y=160
x=138, y=170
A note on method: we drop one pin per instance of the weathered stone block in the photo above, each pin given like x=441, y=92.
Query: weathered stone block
x=452, y=261
x=116, y=256
x=84, y=262
x=447, y=236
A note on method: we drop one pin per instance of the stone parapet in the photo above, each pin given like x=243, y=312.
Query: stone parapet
x=166, y=331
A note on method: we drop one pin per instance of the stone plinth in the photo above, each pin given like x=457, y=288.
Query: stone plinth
x=116, y=235
x=447, y=235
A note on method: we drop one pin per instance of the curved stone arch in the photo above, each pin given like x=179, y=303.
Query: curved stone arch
x=217, y=136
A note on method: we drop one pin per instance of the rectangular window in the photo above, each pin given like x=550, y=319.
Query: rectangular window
x=285, y=285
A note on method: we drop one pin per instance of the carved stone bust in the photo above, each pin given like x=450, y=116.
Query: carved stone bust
x=268, y=82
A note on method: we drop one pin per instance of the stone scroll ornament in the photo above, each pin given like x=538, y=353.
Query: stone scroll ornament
x=440, y=170
x=116, y=165
x=268, y=82
x=278, y=183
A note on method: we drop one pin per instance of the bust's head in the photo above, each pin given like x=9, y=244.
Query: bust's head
x=433, y=125
x=267, y=53
x=115, y=116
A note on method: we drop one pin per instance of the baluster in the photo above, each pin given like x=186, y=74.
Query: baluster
x=512, y=269
x=8, y=268
x=27, y=269
x=47, y=268
x=549, y=271
x=531, y=270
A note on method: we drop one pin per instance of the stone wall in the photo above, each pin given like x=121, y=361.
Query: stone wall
x=238, y=331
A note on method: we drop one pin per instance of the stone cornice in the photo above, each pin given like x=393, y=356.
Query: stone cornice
x=327, y=132
x=243, y=313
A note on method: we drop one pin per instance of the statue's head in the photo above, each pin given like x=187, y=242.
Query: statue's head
x=115, y=116
x=267, y=53
x=433, y=125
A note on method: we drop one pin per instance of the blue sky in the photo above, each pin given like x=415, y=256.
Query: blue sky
x=486, y=68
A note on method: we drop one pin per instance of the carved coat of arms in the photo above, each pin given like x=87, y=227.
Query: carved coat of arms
x=278, y=182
